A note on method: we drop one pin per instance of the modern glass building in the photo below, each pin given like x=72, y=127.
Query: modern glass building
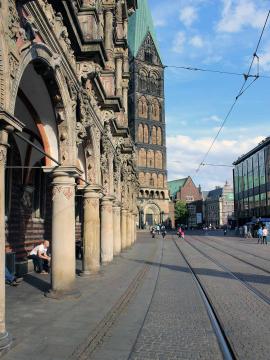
x=252, y=184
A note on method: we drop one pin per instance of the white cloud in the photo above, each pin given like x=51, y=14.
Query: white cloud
x=240, y=13
x=212, y=118
x=188, y=15
x=186, y=153
x=179, y=42
x=196, y=41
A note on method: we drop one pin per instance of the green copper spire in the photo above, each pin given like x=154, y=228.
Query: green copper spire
x=140, y=23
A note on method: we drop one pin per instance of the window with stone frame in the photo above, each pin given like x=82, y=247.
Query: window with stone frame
x=158, y=160
x=159, y=136
x=142, y=107
x=155, y=110
x=140, y=133
x=145, y=134
x=142, y=158
x=143, y=80
x=154, y=135
x=160, y=181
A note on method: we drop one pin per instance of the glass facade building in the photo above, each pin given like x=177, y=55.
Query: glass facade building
x=252, y=184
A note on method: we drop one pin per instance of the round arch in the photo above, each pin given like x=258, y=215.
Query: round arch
x=152, y=214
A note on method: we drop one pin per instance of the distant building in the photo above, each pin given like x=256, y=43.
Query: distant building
x=252, y=184
x=185, y=190
x=219, y=206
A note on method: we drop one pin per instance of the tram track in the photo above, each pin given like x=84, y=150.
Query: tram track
x=251, y=288
x=240, y=250
x=225, y=345
x=236, y=257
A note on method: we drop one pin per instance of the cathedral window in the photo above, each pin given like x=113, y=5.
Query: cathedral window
x=143, y=107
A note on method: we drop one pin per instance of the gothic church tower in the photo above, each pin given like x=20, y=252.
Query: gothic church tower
x=147, y=117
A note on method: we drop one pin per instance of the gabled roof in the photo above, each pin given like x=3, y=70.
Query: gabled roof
x=175, y=185
x=139, y=24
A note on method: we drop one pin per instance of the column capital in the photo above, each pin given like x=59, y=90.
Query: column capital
x=117, y=204
x=92, y=191
x=107, y=198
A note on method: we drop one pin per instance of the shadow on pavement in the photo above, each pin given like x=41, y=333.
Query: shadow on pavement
x=41, y=284
x=259, y=279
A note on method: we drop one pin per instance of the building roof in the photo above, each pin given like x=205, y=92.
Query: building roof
x=175, y=185
x=260, y=146
x=139, y=24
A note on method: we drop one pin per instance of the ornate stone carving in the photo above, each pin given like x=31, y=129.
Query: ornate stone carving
x=67, y=191
x=13, y=21
x=81, y=132
x=13, y=65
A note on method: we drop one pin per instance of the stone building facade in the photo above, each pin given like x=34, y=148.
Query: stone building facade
x=67, y=161
x=219, y=207
x=147, y=117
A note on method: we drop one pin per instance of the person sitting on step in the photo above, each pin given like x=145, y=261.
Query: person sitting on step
x=40, y=258
x=11, y=279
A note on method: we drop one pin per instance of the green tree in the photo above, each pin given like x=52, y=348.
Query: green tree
x=181, y=212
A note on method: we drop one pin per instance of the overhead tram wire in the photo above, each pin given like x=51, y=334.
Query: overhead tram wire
x=199, y=69
x=240, y=92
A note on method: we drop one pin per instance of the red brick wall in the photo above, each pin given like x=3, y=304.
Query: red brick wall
x=189, y=189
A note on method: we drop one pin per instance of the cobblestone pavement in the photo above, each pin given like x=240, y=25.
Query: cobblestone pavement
x=48, y=329
x=243, y=315
x=175, y=326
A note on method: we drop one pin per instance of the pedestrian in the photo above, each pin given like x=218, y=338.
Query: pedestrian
x=11, y=279
x=153, y=232
x=158, y=229
x=260, y=235
x=163, y=233
x=265, y=234
x=40, y=258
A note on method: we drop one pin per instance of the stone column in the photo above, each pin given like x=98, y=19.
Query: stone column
x=119, y=75
x=106, y=229
x=128, y=230
x=134, y=227
x=63, y=263
x=123, y=228
x=7, y=124
x=108, y=30
x=116, y=229
x=91, y=231
x=125, y=99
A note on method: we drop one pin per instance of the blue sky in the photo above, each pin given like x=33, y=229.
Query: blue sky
x=214, y=34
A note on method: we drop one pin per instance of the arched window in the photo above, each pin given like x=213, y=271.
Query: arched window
x=154, y=135
x=154, y=178
x=158, y=160
x=143, y=81
x=145, y=134
x=160, y=181
x=140, y=133
x=142, y=158
x=155, y=110
x=143, y=107
x=155, y=83
x=150, y=159
x=159, y=136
